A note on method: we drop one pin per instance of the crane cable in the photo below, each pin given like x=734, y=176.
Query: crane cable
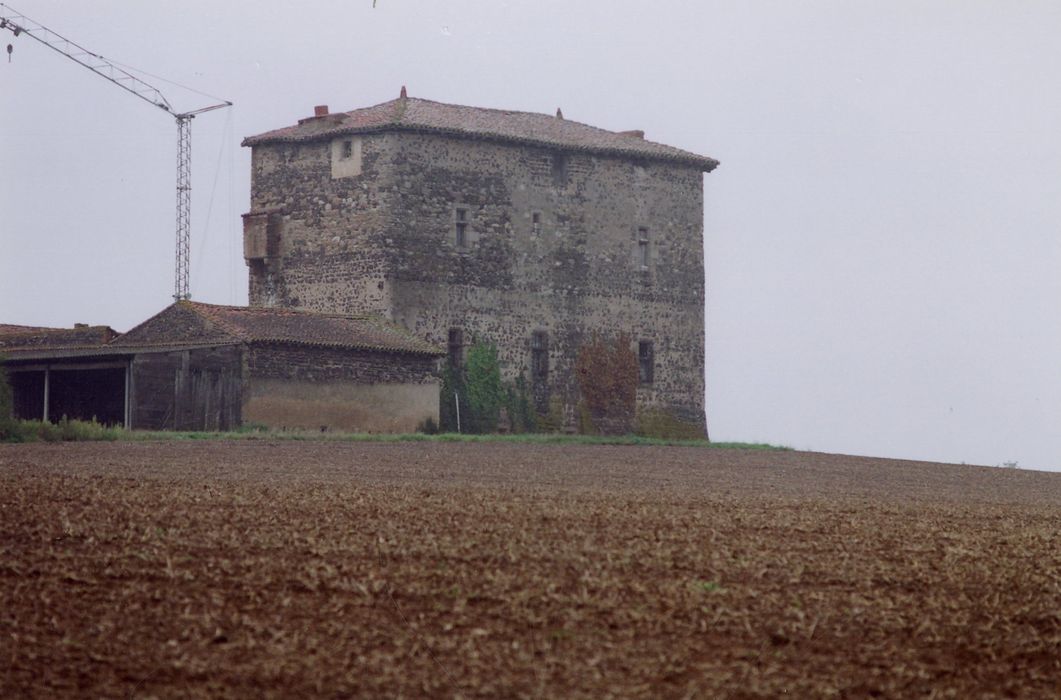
x=164, y=80
x=204, y=239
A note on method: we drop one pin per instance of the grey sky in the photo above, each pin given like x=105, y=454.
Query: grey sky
x=881, y=237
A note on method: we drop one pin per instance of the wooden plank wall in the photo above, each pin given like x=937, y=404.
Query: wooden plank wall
x=197, y=389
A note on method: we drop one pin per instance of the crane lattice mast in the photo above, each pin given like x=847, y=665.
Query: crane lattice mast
x=19, y=24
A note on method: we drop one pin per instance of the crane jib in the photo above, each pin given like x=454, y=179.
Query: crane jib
x=18, y=24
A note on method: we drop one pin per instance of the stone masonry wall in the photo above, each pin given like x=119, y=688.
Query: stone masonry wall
x=330, y=229
x=330, y=389
x=385, y=240
x=321, y=364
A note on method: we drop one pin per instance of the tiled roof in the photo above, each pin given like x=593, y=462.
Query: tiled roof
x=413, y=114
x=188, y=322
x=16, y=338
x=10, y=328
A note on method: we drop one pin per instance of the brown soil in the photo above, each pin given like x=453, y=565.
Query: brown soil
x=332, y=569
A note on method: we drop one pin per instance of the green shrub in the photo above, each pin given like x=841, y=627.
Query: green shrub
x=551, y=421
x=518, y=404
x=65, y=430
x=86, y=431
x=657, y=423
x=482, y=382
x=470, y=400
x=48, y=431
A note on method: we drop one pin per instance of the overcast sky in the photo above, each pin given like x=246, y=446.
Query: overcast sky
x=882, y=237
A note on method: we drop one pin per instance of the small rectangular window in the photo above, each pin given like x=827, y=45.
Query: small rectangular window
x=536, y=223
x=559, y=169
x=539, y=355
x=645, y=361
x=456, y=348
x=461, y=227
x=345, y=157
x=643, y=253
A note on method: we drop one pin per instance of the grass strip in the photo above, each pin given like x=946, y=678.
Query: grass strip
x=91, y=431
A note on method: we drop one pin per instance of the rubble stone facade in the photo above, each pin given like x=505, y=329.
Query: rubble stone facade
x=533, y=241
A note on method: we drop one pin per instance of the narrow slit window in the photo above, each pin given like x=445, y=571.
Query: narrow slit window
x=645, y=361
x=643, y=253
x=461, y=227
x=536, y=223
x=348, y=149
x=559, y=169
x=539, y=356
x=456, y=348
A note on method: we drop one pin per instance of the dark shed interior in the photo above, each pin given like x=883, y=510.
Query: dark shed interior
x=74, y=392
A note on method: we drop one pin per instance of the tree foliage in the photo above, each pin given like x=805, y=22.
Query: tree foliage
x=482, y=382
x=475, y=390
x=518, y=403
x=607, y=380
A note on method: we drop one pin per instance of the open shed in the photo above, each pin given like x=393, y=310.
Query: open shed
x=57, y=372
x=197, y=366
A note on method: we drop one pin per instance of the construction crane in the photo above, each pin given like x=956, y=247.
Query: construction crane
x=18, y=24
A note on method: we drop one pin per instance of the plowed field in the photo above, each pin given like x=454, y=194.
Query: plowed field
x=295, y=569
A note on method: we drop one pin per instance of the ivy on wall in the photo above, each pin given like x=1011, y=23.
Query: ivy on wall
x=521, y=414
x=482, y=381
x=607, y=380
x=474, y=392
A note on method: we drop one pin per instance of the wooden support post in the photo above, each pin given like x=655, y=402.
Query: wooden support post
x=128, y=386
x=47, y=378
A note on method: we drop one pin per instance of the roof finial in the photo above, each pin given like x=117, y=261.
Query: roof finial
x=559, y=114
x=404, y=93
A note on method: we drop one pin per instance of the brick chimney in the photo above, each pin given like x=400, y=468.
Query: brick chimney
x=320, y=111
x=636, y=133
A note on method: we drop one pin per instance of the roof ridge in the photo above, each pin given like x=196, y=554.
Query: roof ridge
x=283, y=310
x=490, y=109
x=500, y=110
x=400, y=108
x=203, y=311
x=538, y=129
x=48, y=329
x=141, y=324
x=375, y=106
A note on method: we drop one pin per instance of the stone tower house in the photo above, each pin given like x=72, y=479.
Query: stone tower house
x=462, y=223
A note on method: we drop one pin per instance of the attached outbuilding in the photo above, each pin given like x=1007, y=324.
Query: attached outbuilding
x=197, y=366
x=57, y=372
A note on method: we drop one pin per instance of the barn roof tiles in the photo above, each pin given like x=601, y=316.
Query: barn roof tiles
x=414, y=114
x=25, y=338
x=12, y=329
x=188, y=322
